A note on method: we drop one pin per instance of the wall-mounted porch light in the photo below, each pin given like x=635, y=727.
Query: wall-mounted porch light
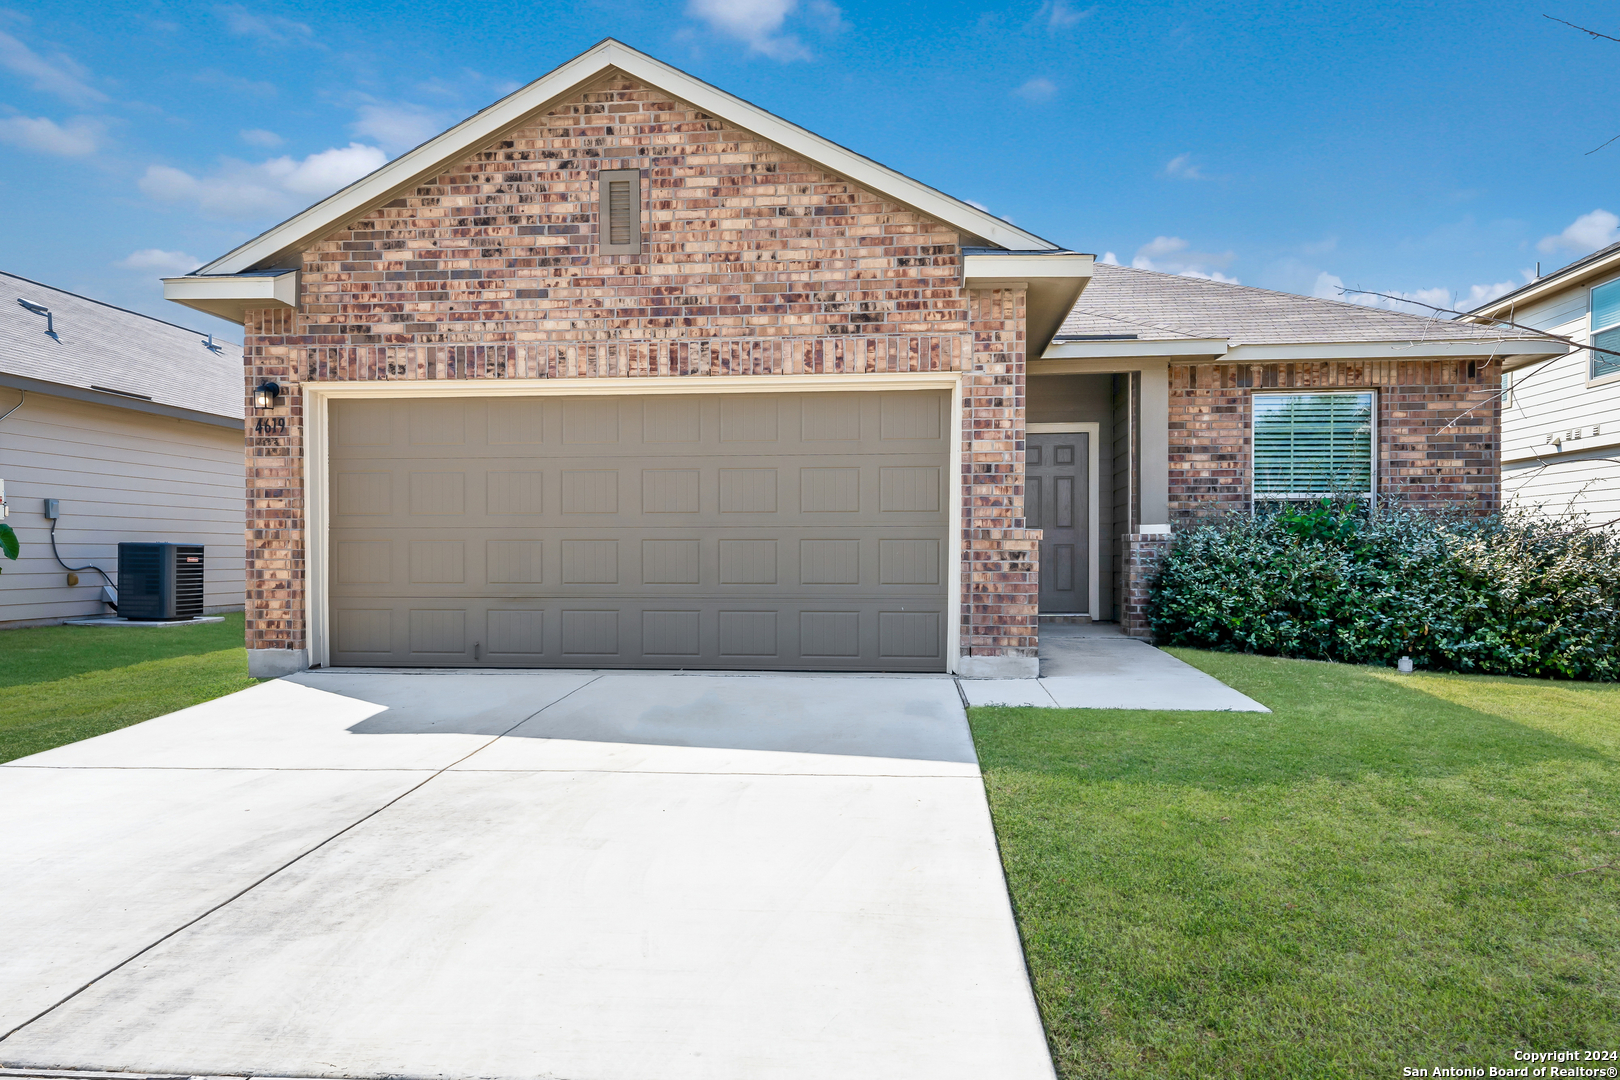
x=265, y=394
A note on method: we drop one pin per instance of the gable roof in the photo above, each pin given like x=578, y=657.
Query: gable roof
x=271, y=248
x=1124, y=303
x=108, y=355
x=1602, y=261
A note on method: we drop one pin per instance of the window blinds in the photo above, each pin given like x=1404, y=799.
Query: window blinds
x=1309, y=445
x=1606, y=328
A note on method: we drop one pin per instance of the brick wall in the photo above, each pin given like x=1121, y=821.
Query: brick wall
x=1439, y=430
x=753, y=263
x=1141, y=555
x=1000, y=556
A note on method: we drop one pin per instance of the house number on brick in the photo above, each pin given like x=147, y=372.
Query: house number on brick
x=270, y=425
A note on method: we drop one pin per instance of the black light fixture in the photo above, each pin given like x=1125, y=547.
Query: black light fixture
x=265, y=394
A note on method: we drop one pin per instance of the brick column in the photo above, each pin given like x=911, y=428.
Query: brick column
x=1000, y=583
x=1144, y=553
x=277, y=634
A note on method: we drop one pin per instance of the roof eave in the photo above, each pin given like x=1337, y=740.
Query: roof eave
x=1541, y=288
x=274, y=246
x=118, y=401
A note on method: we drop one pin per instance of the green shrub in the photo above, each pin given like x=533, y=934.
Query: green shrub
x=1514, y=594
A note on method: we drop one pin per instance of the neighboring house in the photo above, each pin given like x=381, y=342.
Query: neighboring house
x=625, y=371
x=134, y=426
x=1561, y=416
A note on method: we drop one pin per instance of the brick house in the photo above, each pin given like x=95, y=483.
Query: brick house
x=624, y=371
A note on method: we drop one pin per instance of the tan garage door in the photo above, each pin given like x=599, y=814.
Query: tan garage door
x=771, y=531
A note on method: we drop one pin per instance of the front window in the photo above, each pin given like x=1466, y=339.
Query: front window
x=1307, y=446
x=1606, y=328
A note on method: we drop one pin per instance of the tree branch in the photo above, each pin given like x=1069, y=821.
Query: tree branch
x=1582, y=29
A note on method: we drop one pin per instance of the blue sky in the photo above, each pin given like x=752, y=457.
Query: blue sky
x=1413, y=148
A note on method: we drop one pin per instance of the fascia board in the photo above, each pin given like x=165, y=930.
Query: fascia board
x=1391, y=350
x=1536, y=291
x=118, y=401
x=980, y=270
x=1060, y=350
x=486, y=125
x=230, y=296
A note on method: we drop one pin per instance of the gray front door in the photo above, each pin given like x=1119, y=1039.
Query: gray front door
x=755, y=530
x=1057, y=501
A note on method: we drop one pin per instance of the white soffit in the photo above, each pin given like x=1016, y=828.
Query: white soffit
x=230, y=295
x=485, y=126
x=1408, y=349
x=1130, y=347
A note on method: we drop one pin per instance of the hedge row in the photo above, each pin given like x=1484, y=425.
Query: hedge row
x=1514, y=594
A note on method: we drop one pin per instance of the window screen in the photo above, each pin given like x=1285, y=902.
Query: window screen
x=1310, y=445
x=619, y=218
x=1606, y=328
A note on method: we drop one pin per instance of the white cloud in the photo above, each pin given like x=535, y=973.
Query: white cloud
x=1484, y=294
x=399, y=126
x=76, y=138
x=1584, y=235
x=1171, y=255
x=1058, y=15
x=238, y=189
x=757, y=22
x=172, y=263
x=1037, y=89
x=1109, y=258
x=268, y=29
x=1329, y=286
x=60, y=74
x=1182, y=167
x=260, y=137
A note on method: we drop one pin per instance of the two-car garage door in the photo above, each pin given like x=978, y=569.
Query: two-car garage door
x=746, y=530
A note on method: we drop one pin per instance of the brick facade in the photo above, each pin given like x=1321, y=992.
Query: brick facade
x=1141, y=555
x=753, y=263
x=1438, y=428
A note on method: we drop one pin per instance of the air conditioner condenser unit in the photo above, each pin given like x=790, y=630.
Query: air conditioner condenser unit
x=160, y=581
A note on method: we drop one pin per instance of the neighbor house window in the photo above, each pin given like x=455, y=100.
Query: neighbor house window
x=619, y=215
x=1606, y=328
x=1310, y=445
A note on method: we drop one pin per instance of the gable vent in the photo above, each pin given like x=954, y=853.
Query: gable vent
x=620, y=213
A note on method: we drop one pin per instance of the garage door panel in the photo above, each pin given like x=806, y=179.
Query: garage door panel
x=752, y=531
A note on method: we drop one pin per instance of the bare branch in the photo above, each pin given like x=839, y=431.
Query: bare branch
x=1595, y=149
x=1582, y=29
x=1543, y=334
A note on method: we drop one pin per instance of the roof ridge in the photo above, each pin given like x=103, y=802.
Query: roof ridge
x=1278, y=292
x=115, y=307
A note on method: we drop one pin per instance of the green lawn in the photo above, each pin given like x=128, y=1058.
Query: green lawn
x=1387, y=871
x=59, y=684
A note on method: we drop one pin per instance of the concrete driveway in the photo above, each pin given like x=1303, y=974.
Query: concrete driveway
x=568, y=875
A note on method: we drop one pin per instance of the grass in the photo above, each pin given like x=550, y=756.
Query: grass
x=60, y=684
x=1387, y=871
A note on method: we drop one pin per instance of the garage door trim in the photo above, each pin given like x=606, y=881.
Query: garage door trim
x=317, y=486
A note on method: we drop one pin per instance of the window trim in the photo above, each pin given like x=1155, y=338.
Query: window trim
x=604, y=178
x=1592, y=332
x=1255, y=498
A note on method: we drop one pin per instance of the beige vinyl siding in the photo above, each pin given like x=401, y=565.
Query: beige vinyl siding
x=1553, y=399
x=120, y=475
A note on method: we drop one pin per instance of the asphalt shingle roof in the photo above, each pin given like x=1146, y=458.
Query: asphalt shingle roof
x=1165, y=307
x=101, y=347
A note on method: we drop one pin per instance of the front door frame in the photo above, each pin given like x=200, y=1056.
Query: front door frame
x=1093, y=504
x=316, y=463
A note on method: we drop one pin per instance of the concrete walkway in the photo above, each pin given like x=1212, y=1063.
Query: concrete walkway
x=531, y=874
x=1094, y=666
